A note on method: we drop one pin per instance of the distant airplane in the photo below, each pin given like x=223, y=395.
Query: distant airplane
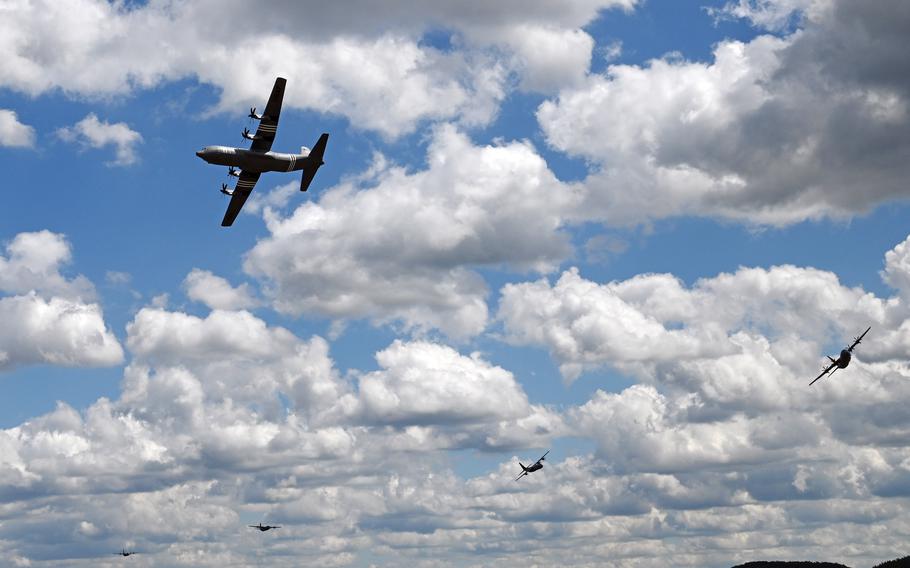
x=842, y=361
x=259, y=158
x=124, y=552
x=263, y=527
x=531, y=468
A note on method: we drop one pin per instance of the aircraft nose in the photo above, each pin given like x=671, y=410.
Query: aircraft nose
x=199, y=153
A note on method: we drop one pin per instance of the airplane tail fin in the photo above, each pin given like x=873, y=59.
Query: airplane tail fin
x=522, y=466
x=315, y=160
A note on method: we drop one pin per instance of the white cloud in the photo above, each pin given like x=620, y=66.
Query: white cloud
x=365, y=63
x=159, y=335
x=426, y=383
x=768, y=14
x=95, y=133
x=47, y=319
x=352, y=464
x=771, y=131
x=56, y=332
x=277, y=198
x=400, y=245
x=216, y=292
x=585, y=324
x=33, y=262
x=13, y=133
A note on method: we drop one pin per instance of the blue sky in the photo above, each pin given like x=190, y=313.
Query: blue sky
x=627, y=231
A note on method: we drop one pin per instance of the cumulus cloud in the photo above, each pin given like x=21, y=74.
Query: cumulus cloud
x=56, y=331
x=725, y=364
x=768, y=14
x=48, y=318
x=225, y=418
x=93, y=133
x=274, y=430
x=368, y=64
x=775, y=131
x=424, y=382
x=33, y=262
x=13, y=133
x=654, y=318
x=400, y=245
x=216, y=292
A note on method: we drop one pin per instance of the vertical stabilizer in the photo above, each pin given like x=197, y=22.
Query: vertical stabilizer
x=314, y=161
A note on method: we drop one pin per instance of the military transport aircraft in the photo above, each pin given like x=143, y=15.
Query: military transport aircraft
x=259, y=158
x=842, y=361
x=124, y=552
x=263, y=527
x=531, y=468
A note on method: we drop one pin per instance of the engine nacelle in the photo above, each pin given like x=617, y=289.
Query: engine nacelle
x=246, y=134
x=304, y=150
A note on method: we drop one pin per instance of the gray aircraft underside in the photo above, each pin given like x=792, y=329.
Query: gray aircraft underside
x=259, y=158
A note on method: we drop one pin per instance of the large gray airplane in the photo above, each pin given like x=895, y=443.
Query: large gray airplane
x=259, y=158
x=844, y=359
x=525, y=470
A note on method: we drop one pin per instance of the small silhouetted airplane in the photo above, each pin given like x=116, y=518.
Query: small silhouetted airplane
x=531, y=468
x=124, y=552
x=842, y=361
x=259, y=158
x=263, y=527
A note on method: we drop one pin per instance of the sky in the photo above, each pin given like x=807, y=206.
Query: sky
x=625, y=231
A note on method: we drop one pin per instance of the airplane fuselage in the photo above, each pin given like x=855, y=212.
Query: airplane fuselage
x=250, y=161
x=844, y=359
x=534, y=467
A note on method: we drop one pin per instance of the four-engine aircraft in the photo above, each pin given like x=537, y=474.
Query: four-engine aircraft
x=263, y=527
x=124, y=552
x=842, y=361
x=259, y=158
x=531, y=468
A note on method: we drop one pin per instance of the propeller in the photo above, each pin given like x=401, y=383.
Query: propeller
x=246, y=133
x=253, y=114
x=233, y=172
x=225, y=190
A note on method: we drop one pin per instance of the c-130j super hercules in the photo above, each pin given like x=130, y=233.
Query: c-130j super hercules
x=842, y=361
x=259, y=158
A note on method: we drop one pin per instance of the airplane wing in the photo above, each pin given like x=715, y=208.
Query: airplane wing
x=522, y=474
x=268, y=124
x=242, y=190
x=823, y=373
x=859, y=339
x=543, y=456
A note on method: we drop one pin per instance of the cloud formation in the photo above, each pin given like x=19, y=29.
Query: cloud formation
x=13, y=133
x=398, y=245
x=48, y=318
x=224, y=419
x=370, y=65
x=93, y=133
x=216, y=292
x=773, y=131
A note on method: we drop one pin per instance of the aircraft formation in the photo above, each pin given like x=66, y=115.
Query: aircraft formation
x=247, y=165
